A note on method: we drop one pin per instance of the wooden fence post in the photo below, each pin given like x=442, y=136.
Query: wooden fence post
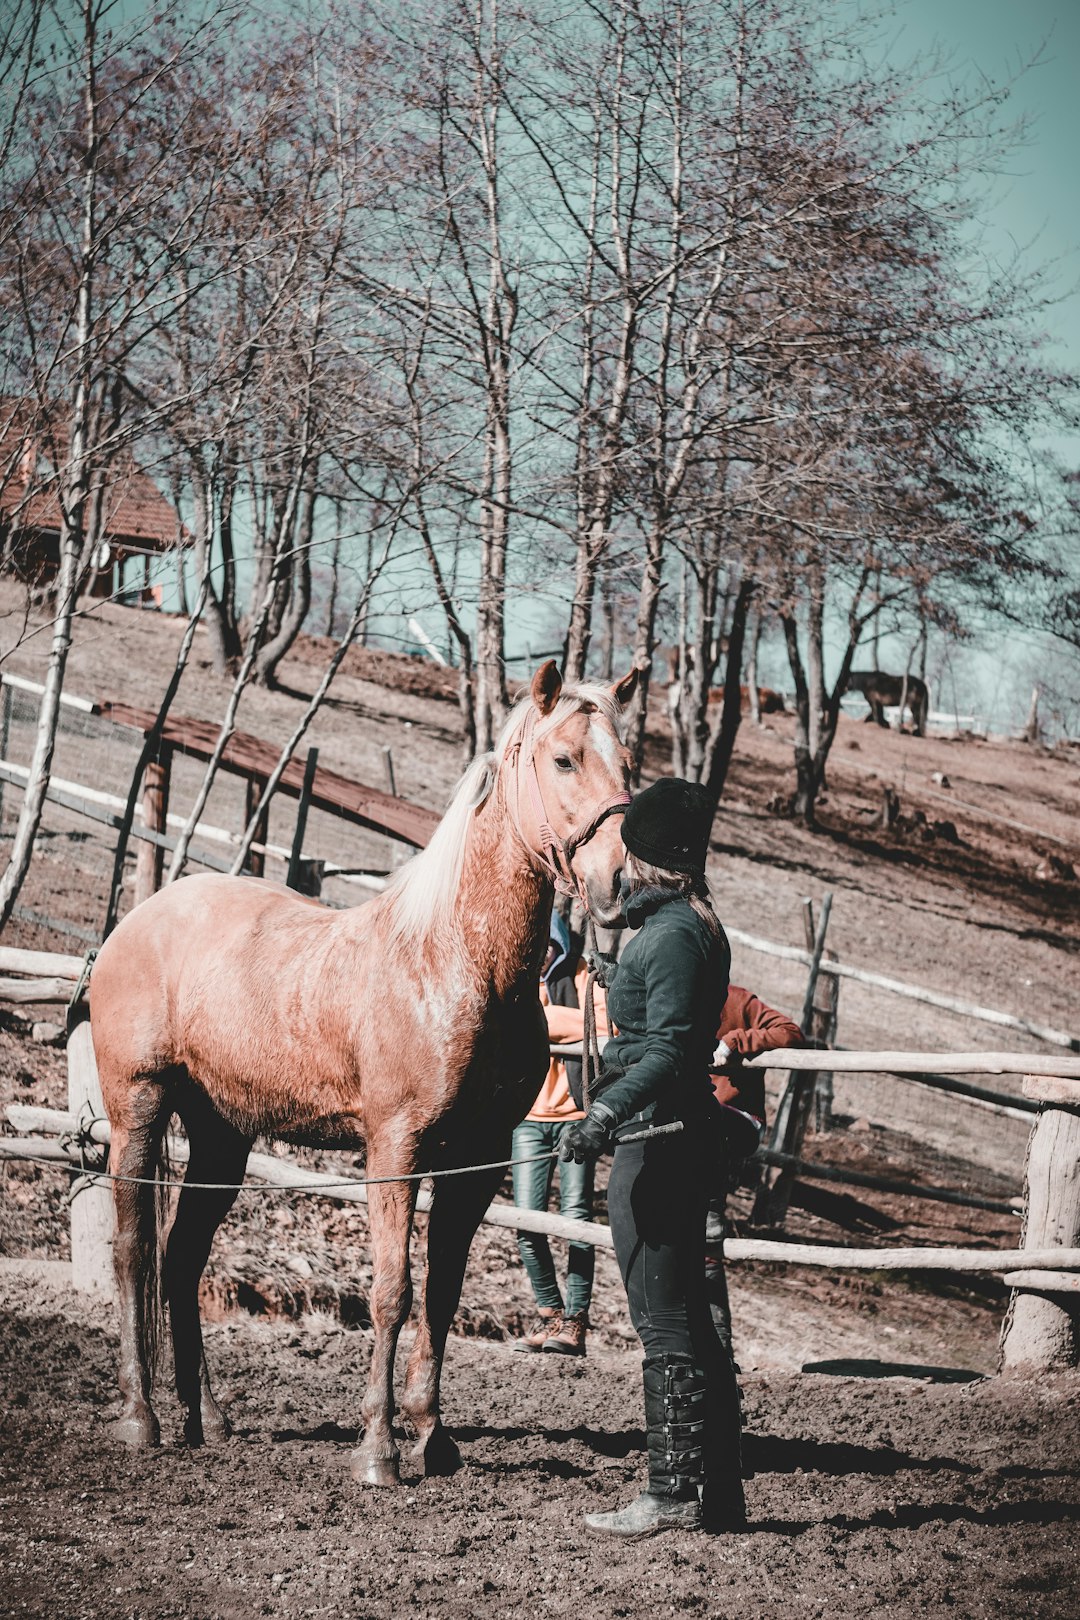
x=397, y=854
x=256, y=861
x=1042, y=1325
x=93, y=1219
x=824, y=1018
x=6, y=704
x=797, y=1101
x=823, y=1029
x=149, y=859
x=296, y=854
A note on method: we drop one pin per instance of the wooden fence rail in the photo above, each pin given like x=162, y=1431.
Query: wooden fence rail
x=286, y=1174
x=842, y=1061
x=1043, y=1325
x=40, y=963
x=913, y=992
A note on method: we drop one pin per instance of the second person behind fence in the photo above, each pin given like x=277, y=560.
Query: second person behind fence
x=561, y=1320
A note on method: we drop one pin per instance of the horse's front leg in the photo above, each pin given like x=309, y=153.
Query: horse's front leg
x=391, y=1212
x=457, y=1209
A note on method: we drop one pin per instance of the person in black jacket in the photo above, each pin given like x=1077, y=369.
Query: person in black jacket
x=666, y=998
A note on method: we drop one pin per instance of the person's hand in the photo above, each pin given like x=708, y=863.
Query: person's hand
x=602, y=968
x=587, y=1138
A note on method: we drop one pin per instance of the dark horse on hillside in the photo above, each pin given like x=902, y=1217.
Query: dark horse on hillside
x=883, y=692
x=410, y=1026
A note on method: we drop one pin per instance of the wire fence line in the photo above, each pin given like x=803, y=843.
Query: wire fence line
x=283, y=1175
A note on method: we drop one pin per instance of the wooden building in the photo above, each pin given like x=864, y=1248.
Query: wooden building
x=128, y=521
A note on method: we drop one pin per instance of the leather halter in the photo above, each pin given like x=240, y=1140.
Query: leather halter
x=556, y=854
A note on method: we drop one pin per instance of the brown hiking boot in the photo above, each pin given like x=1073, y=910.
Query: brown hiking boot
x=568, y=1339
x=547, y=1322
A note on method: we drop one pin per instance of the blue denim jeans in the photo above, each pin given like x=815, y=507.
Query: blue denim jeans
x=532, y=1188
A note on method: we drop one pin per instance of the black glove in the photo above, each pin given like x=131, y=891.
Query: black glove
x=603, y=969
x=589, y=1137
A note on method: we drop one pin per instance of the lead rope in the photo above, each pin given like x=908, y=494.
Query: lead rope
x=590, y=1050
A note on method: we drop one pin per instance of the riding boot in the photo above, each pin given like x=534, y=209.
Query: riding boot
x=723, y=1505
x=675, y=1394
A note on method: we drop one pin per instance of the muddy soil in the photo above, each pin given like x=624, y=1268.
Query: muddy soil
x=913, y=1495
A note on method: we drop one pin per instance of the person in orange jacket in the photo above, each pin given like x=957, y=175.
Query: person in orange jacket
x=561, y=1322
x=748, y=1027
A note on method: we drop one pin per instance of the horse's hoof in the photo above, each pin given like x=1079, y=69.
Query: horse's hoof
x=215, y=1425
x=374, y=1470
x=206, y=1428
x=436, y=1456
x=136, y=1429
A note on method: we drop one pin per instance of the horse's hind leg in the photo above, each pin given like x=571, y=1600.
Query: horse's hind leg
x=138, y=1115
x=457, y=1210
x=218, y=1154
x=391, y=1212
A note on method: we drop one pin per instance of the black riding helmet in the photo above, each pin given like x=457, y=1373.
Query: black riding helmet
x=668, y=825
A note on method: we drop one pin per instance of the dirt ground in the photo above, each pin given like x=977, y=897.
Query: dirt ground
x=944, y=1491
x=914, y=1495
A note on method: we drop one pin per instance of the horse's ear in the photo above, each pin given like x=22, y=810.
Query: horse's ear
x=623, y=690
x=546, y=686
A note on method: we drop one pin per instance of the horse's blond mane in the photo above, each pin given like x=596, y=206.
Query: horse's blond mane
x=421, y=897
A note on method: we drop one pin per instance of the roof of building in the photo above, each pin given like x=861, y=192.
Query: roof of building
x=134, y=513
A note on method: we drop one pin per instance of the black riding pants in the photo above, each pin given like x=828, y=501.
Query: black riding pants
x=658, y=1196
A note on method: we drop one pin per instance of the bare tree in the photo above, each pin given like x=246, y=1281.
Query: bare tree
x=63, y=208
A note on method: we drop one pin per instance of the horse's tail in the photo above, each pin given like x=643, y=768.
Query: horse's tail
x=155, y=1208
x=143, y=1186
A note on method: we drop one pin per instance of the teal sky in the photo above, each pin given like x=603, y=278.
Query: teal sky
x=1036, y=205
x=1033, y=207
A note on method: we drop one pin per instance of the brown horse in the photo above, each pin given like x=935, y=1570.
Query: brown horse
x=883, y=691
x=410, y=1025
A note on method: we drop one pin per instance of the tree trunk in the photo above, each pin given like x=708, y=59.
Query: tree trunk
x=362, y=628
x=806, y=784
x=176, y=493
x=579, y=631
x=875, y=638
x=811, y=756
x=607, y=672
x=226, y=504
x=223, y=637
x=723, y=745
x=752, y=670
x=299, y=603
x=37, y=782
x=644, y=647
x=491, y=694
x=72, y=503
x=335, y=563
x=815, y=658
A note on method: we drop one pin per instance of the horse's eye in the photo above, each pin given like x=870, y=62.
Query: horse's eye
x=563, y=763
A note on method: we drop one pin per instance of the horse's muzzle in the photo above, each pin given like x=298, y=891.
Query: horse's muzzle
x=605, y=906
